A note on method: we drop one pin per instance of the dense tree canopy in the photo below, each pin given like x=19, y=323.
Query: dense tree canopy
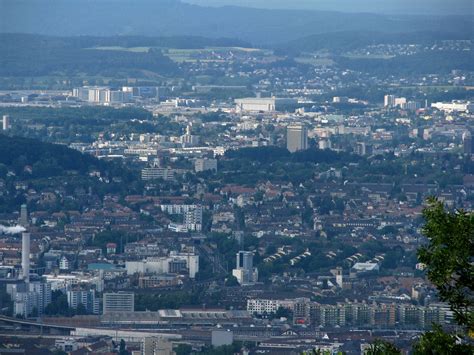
x=449, y=258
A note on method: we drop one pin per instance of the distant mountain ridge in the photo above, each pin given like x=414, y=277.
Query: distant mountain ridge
x=408, y=7
x=172, y=17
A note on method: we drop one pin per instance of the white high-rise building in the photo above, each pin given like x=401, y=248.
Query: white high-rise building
x=30, y=296
x=24, y=216
x=101, y=95
x=467, y=143
x=245, y=273
x=389, y=100
x=86, y=298
x=6, y=122
x=25, y=256
x=296, y=138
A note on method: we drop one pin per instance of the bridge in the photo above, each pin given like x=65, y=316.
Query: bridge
x=29, y=326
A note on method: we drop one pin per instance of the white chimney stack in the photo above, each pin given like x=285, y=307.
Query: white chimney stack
x=25, y=256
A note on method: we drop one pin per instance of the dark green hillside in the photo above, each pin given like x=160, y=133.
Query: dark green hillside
x=37, y=166
x=348, y=40
x=46, y=159
x=24, y=55
x=70, y=124
x=172, y=17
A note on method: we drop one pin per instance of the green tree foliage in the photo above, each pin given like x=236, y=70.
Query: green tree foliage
x=90, y=115
x=70, y=124
x=380, y=347
x=183, y=349
x=120, y=238
x=448, y=258
x=272, y=153
x=58, y=305
x=46, y=159
x=222, y=350
x=51, y=55
x=438, y=342
x=283, y=312
x=231, y=281
x=172, y=300
x=123, y=348
x=6, y=302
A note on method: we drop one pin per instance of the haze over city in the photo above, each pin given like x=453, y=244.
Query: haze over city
x=236, y=177
x=439, y=7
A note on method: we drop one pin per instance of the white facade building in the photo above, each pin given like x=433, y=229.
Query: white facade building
x=86, y=298
x=268, y=104
x=30, y=296
x=262, y=306
x=244, y=271
x=164, y=264
x=119, y=302
x=6, y=122
x=454, y=106
x=192, y=217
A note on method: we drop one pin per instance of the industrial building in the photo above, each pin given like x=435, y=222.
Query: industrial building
x=174, y=263
x=267, y=104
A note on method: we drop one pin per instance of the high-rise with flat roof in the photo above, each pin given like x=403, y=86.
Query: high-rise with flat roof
x=6, y=122
x=296, y=137
x=119, y=302
x=244, y=271
x=467, y=143
x=389, y=100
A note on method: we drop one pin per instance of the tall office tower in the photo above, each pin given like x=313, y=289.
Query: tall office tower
x=25, y=256
x=244, y=260
x=389, y=100
x=24, y=216
x=244, y=271
x=296, y=137
x=467, y=142
x=339, y=277
x=6, y=122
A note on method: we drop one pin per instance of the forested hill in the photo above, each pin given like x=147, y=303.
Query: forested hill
x=32, y=158
x=30, y=55
x=173, y=17
x=348, y=40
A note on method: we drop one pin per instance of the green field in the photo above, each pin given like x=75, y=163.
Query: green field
x=317, y=62
x=368, y=56
x=123, y=49
x=187, y=55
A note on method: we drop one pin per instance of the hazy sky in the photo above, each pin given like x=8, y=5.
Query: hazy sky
x=375, y=6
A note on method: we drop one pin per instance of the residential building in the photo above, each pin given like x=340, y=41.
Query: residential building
x=119, y=302
x=86, y=298
x=296, y=138
x=204, y=164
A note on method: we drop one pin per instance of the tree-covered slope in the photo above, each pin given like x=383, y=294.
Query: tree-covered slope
x=21, y=155
x=172, y=17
